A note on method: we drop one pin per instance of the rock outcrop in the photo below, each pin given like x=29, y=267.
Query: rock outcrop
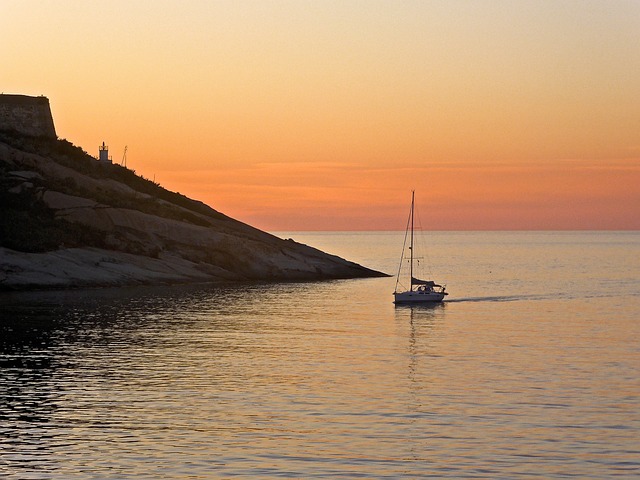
x=68, y=221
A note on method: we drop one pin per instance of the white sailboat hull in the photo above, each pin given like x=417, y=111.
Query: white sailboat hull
x=418, y=297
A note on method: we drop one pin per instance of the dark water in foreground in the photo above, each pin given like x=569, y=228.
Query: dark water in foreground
x=531, y=368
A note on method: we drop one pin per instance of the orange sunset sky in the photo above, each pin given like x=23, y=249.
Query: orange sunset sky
x=323, y=115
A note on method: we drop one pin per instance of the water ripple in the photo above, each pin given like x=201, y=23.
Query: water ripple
x=321, y=380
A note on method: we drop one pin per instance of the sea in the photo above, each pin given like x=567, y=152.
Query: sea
x=530, y=368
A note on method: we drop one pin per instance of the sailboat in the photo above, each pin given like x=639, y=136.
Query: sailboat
x=420, y=291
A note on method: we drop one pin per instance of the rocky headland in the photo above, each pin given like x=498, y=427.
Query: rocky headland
x=68, y=220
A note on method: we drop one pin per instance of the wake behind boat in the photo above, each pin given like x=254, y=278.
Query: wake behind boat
x=419, y=291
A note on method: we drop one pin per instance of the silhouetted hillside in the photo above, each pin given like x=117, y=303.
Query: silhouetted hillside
x=59, y=201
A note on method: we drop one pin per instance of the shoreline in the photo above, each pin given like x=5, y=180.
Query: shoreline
x=80, y=268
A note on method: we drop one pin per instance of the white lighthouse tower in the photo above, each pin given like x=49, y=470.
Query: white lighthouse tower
x=104, y=154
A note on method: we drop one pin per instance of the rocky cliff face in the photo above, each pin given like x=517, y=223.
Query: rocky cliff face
x=68, y=221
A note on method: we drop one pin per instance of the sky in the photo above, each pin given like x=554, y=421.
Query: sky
x=324, y=115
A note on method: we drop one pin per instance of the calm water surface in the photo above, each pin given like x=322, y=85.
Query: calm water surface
x=531, y=368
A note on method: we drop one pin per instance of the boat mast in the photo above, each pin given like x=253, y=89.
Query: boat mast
x=413, y=192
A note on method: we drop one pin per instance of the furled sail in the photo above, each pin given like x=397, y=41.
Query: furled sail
x=417, y=281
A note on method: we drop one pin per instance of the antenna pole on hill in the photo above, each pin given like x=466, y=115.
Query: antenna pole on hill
x=124, y=157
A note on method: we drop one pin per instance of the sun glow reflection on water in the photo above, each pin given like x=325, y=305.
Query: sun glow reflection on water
x=330, y=379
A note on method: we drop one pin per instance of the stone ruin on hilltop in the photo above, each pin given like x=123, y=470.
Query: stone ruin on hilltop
x=26, y=115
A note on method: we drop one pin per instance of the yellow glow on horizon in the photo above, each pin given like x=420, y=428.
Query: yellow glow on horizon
x=569, y=195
